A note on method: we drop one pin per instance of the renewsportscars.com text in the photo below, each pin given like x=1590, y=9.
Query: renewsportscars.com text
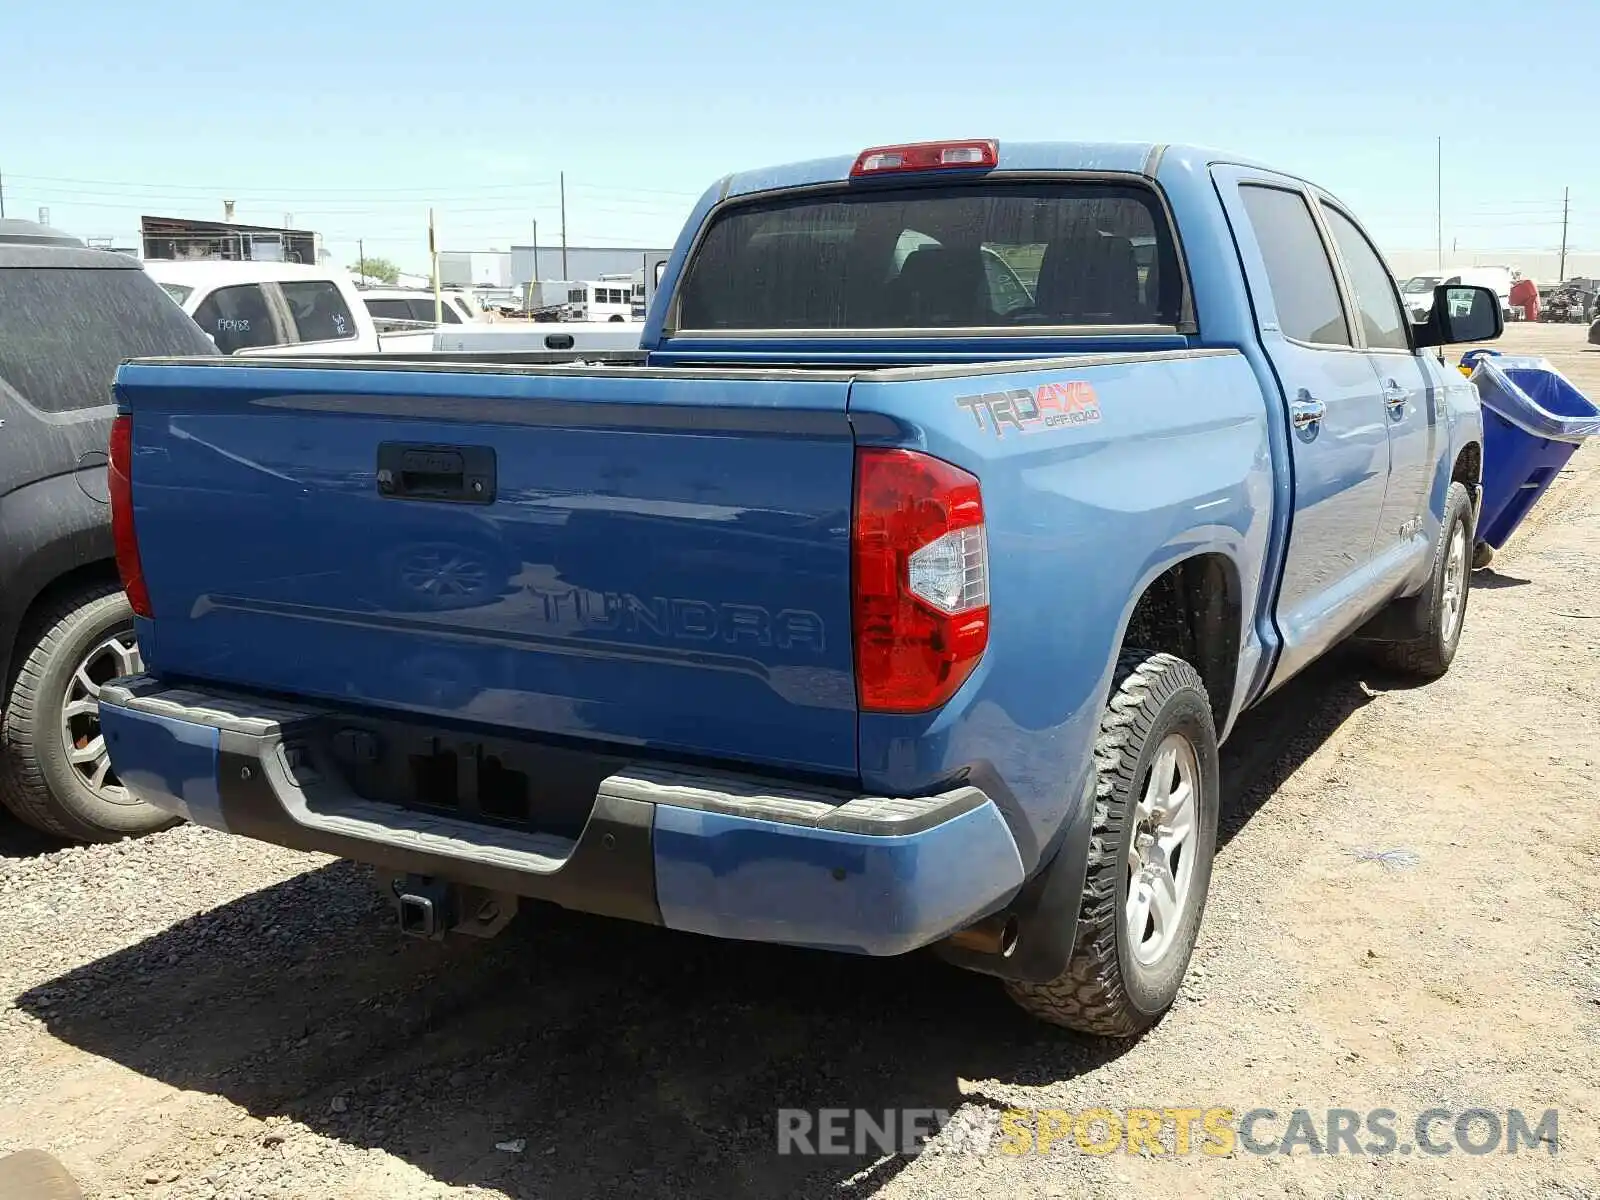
x=1214, y=1131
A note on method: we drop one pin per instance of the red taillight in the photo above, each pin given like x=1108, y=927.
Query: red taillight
x=921, y=587
x=928, y=156
x=119, y=473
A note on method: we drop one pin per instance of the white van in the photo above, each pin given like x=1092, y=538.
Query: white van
x=1418, y=290
x=609, y=298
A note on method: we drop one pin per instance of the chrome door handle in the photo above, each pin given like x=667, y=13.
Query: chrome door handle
x=1306, y=412
x=1395, y=397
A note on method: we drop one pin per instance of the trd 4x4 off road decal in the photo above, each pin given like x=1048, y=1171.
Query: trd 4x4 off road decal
x=1030, y=410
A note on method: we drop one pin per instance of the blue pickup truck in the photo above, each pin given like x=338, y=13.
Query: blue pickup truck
x=896, y=594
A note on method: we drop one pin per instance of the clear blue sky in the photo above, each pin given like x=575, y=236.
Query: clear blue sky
x=355, y=118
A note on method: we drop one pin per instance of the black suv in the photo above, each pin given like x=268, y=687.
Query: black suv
x=68, y=316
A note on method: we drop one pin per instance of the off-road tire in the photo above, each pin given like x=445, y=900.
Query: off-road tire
x=37, y=782
x=1104, y=990
x=35, y=1175
x=1482, y=555
x=1430, y=653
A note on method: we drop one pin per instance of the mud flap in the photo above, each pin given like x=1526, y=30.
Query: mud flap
x=1045, y=910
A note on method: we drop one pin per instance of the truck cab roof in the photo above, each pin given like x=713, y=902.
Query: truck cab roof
x=17, y=232
x=30, y=244
x=1133, y=158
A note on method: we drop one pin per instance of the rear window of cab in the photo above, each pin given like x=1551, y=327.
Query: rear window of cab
x=1018, y=257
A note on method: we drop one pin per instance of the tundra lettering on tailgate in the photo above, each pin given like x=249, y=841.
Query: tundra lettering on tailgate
x=683, y=619
x=1030, y=410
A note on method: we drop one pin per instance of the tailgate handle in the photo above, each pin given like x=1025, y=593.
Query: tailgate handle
x=445, y=474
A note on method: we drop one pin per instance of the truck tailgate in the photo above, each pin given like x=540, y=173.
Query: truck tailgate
x=656, y=557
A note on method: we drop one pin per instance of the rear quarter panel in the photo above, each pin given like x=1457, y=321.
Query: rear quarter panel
x=1163, y=457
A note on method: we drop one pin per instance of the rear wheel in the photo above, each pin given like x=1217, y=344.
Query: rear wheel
x=55, y=771
x=1150, y=854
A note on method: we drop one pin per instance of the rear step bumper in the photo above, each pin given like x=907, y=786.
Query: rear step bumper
x=719, y=854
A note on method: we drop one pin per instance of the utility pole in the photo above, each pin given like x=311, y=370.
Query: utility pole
x=1566, y=197
x=361, y=255
x=1438, y=208
x=2, y=197
x=564, y=274
x=433, y=255
x=533, y=284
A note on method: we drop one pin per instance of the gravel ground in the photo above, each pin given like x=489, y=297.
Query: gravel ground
x=1403, y=916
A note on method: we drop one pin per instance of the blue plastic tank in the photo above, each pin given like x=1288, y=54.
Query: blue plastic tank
x=1534, y=419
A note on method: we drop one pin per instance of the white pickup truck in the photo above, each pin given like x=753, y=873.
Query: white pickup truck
x=255, y=308
x=536, y=337
x=397, y=308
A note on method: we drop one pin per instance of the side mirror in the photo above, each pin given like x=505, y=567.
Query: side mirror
x=1462, y=313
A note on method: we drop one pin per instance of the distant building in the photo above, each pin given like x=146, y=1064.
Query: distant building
x=179, y=237
x=1541, y=266
x=522, y=265
x=582, y=262
x=475, y=268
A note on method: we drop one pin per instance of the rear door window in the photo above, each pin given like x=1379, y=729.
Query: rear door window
x=995, y=256
x=1382, y=320
x=318, y=310
x=1298, y=269
x=389, y=309
x=422, y=310
x=239, y=318
x=63, y=331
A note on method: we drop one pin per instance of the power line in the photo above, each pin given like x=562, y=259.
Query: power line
x=424, y=192
x=485, y=214
x=217, y=189
x=349, y=202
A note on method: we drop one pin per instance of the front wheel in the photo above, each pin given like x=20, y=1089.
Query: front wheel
x=1440, y=610
x=1150, y=854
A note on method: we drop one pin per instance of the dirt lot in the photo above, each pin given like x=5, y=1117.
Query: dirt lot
x=1403, y=917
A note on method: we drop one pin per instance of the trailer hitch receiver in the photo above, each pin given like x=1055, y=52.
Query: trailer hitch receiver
x=430, y=907
x=424, y=905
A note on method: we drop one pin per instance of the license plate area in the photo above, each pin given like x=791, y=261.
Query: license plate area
x=516, y=784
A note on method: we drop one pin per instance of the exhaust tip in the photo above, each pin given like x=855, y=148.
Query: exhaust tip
x=996, y=935
x=1009, y=933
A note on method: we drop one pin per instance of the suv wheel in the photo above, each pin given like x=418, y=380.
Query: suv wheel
x=55, y=773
